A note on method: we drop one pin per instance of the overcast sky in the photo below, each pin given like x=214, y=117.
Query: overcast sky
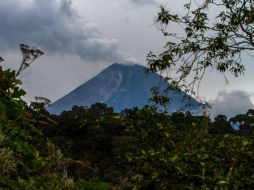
x=82, y=37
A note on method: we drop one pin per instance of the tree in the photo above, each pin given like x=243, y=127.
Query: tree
x=245, y=121
x=221, y=125
x=38, y=108
x=207, y=41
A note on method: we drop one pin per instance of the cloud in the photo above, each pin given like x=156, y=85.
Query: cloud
x=143, y=2
x=231, y=103
x=56, y=27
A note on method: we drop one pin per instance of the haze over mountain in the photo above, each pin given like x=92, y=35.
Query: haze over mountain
x=122, y=86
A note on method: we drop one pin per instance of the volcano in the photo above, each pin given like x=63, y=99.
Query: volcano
x=123, y=86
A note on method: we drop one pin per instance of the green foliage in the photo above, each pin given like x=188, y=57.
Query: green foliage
x=89, y=185
x=8, y=162
x=169, y=157
x=150, y=150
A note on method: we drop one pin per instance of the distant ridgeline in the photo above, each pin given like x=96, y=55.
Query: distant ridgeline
x=123, y=86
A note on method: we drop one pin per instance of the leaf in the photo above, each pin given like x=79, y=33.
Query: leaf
x=173, y=158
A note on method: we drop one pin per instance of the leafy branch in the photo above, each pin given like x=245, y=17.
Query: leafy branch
x=206, y=41
x=29, y=56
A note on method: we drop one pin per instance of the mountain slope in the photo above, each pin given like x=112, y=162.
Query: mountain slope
x=121, y=86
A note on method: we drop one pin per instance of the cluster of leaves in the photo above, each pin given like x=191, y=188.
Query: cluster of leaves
x=29, y=56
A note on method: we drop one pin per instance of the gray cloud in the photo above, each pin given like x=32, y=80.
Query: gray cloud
x=143, y=2
x=231, y=103
x=56, y=27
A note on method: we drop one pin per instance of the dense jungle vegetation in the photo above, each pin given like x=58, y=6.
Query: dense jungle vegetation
x=96, y=149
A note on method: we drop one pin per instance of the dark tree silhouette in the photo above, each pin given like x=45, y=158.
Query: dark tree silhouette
x=29, y=56
x=208, y=41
